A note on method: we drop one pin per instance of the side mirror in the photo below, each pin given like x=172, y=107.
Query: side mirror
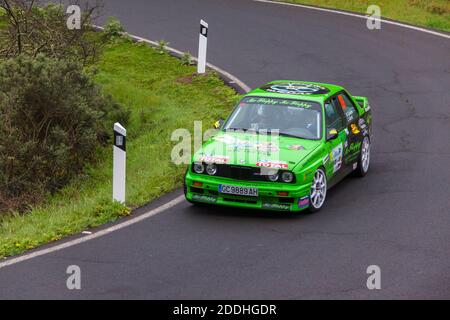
x=218, y=124
x=332, y=134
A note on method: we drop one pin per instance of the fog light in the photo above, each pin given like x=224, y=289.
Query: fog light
x=282, y=193
x=197, y=184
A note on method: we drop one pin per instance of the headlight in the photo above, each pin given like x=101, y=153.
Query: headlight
x=287, y=177
x=211, y=169
x=199, y=168
x=273, y=176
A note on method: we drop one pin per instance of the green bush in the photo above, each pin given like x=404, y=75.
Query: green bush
x=162, y=46
x=186, y=59
x=33, y=27
x=113, y=28
x=52, y=119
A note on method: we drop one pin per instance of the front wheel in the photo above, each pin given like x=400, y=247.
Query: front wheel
x=364, y=158
x=318, y=192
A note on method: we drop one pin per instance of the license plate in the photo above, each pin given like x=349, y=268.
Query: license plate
x=238, y=191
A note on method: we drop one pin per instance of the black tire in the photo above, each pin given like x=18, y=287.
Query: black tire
x=315, y=206
x=363, y=168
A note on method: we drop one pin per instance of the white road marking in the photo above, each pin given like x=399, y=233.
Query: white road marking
x=356, y=15
x=139, y=218
x=179, y=199
x=95, y=235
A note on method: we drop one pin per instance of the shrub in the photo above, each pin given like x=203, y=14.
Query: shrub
x=162, y=46
x=52, y=118
x=186, y=59
x=34, y=27
x=113, y=28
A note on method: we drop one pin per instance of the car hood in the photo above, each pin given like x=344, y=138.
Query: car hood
x=255, y=150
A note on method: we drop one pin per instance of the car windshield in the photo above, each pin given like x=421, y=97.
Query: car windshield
x=296, y=118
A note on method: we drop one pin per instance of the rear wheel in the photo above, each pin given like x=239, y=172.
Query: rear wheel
x=318, y=192
x=364, y=158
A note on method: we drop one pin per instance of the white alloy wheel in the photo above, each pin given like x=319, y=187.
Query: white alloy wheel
x=318, y=191
x=365, y=155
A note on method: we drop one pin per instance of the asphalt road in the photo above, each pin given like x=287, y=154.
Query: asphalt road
x=398, y=217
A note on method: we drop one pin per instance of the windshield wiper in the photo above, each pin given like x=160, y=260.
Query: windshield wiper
x=236, y=129
x=290, y=135
x=298, y=137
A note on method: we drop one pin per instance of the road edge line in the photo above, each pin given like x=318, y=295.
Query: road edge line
x=57, y=247
x=357, y=15
x=95, y=235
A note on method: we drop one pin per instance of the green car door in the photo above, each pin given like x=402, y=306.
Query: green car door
x=352, y=145
x=336, y=137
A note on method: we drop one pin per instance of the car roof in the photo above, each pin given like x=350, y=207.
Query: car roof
x=294, y=89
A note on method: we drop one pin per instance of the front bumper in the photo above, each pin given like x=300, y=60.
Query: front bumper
x=296, y=200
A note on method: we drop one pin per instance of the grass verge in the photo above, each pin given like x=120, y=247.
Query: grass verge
x=162, y=95
x=434, y=14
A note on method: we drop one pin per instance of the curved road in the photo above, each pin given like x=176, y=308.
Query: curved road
x=400, y=220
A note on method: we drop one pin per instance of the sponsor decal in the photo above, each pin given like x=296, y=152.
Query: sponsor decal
x=204, y=198
x=326, y=159
x=354, y=128
x=354, y=147
x=279, y=102
x=225, y=139
x=272, y=164
x=261, y=147
x=363, y=126
x=276, y=206
x=296, y=147
x=336, y=157
x=238, y=144
x=241, y=145
x=303, y=202
x=214, y=159
x=295, y=88
x=267, y=147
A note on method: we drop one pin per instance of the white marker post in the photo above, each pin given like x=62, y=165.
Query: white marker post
x=119, y=162
x=202, y=46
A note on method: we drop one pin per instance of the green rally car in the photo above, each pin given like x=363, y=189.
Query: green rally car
x=284, y=145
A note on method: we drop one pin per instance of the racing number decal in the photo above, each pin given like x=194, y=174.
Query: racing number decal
x=336, y=156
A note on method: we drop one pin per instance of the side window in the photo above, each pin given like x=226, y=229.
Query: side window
x=333, y=117
x=347, y=107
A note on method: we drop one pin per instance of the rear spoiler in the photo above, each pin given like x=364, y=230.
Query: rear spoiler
x=363, y=102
